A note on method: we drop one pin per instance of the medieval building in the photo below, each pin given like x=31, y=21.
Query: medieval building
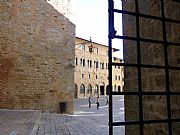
x=91, y=69
x=36, y=55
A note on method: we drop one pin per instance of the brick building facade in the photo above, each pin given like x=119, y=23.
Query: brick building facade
x=36, y=56
x=91, y=69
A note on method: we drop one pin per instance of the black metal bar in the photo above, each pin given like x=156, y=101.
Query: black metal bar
x=146, y=16
x=158, y=42
x=145, y=66
x=176, y=0
x=139, y=68
x=166, y=69
x=110, y=36
x=145, y=122
x=146, y=93
x=138, y=65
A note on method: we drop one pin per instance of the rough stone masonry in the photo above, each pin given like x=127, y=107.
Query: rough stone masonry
x=154, y=107
x=36, y=56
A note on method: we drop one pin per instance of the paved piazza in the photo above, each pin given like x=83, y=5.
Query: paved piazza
x=17, y=122
x=84, y=121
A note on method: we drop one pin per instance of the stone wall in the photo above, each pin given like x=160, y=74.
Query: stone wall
x=36, y=56
x=154, y=107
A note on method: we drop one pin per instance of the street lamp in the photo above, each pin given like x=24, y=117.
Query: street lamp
x=91, y=47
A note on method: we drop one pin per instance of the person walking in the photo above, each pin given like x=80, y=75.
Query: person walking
x=89, y=101
x=107, y=101
x=97, y=102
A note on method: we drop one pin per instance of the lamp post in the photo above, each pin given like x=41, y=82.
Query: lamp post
x=91, y=47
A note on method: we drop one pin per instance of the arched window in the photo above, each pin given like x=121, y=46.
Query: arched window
x=102, y=65
x=82, y=89
x=90, y=63
x=83, y=62
x=96, y=64
x=89, y=90
x=115, y=78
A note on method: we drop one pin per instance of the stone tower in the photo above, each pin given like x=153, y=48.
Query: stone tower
x=36, y=56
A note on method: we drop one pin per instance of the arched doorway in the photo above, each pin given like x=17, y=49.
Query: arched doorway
x=89, y=90
x=96, y=89
x=75, y=91
x=102, y=89
x=119, y=88
x=82, y=90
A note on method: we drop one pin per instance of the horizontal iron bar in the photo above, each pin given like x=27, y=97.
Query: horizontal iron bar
x=145, y=66
x=176, y=0
x=146, y=16
x=147, y=40
x=146, y=93
x=144, y=122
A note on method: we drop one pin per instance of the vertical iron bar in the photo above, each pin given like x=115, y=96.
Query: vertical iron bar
x=139, y=68
x=167, y=68
x=110, y=32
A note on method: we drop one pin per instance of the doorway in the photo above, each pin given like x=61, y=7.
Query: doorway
x=102, y=90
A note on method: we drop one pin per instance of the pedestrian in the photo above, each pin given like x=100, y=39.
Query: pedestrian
x=97, y=102
x=107, y=101
x=90, y=101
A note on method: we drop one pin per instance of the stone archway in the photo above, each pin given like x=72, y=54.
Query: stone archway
x=102, y=89
x=75, y=91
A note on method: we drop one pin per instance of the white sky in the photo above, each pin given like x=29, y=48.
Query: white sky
x=91, y=20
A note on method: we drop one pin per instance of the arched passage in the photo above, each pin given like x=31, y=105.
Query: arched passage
x=75, y=91
x=102, y=89
x=82, y=89
x=89, y=90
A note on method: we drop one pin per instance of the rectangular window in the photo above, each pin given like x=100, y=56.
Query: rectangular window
x=82, y=46
x=76, y=61
x=82, y=76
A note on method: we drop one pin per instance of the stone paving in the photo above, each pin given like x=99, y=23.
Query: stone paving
x=17, y=122
x=84, y=121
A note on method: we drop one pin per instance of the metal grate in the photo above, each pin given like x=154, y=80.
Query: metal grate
x=138, y=39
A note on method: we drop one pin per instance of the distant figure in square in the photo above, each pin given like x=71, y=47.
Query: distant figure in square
x=107, y=101
x=90, y=101
x=97, y=102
